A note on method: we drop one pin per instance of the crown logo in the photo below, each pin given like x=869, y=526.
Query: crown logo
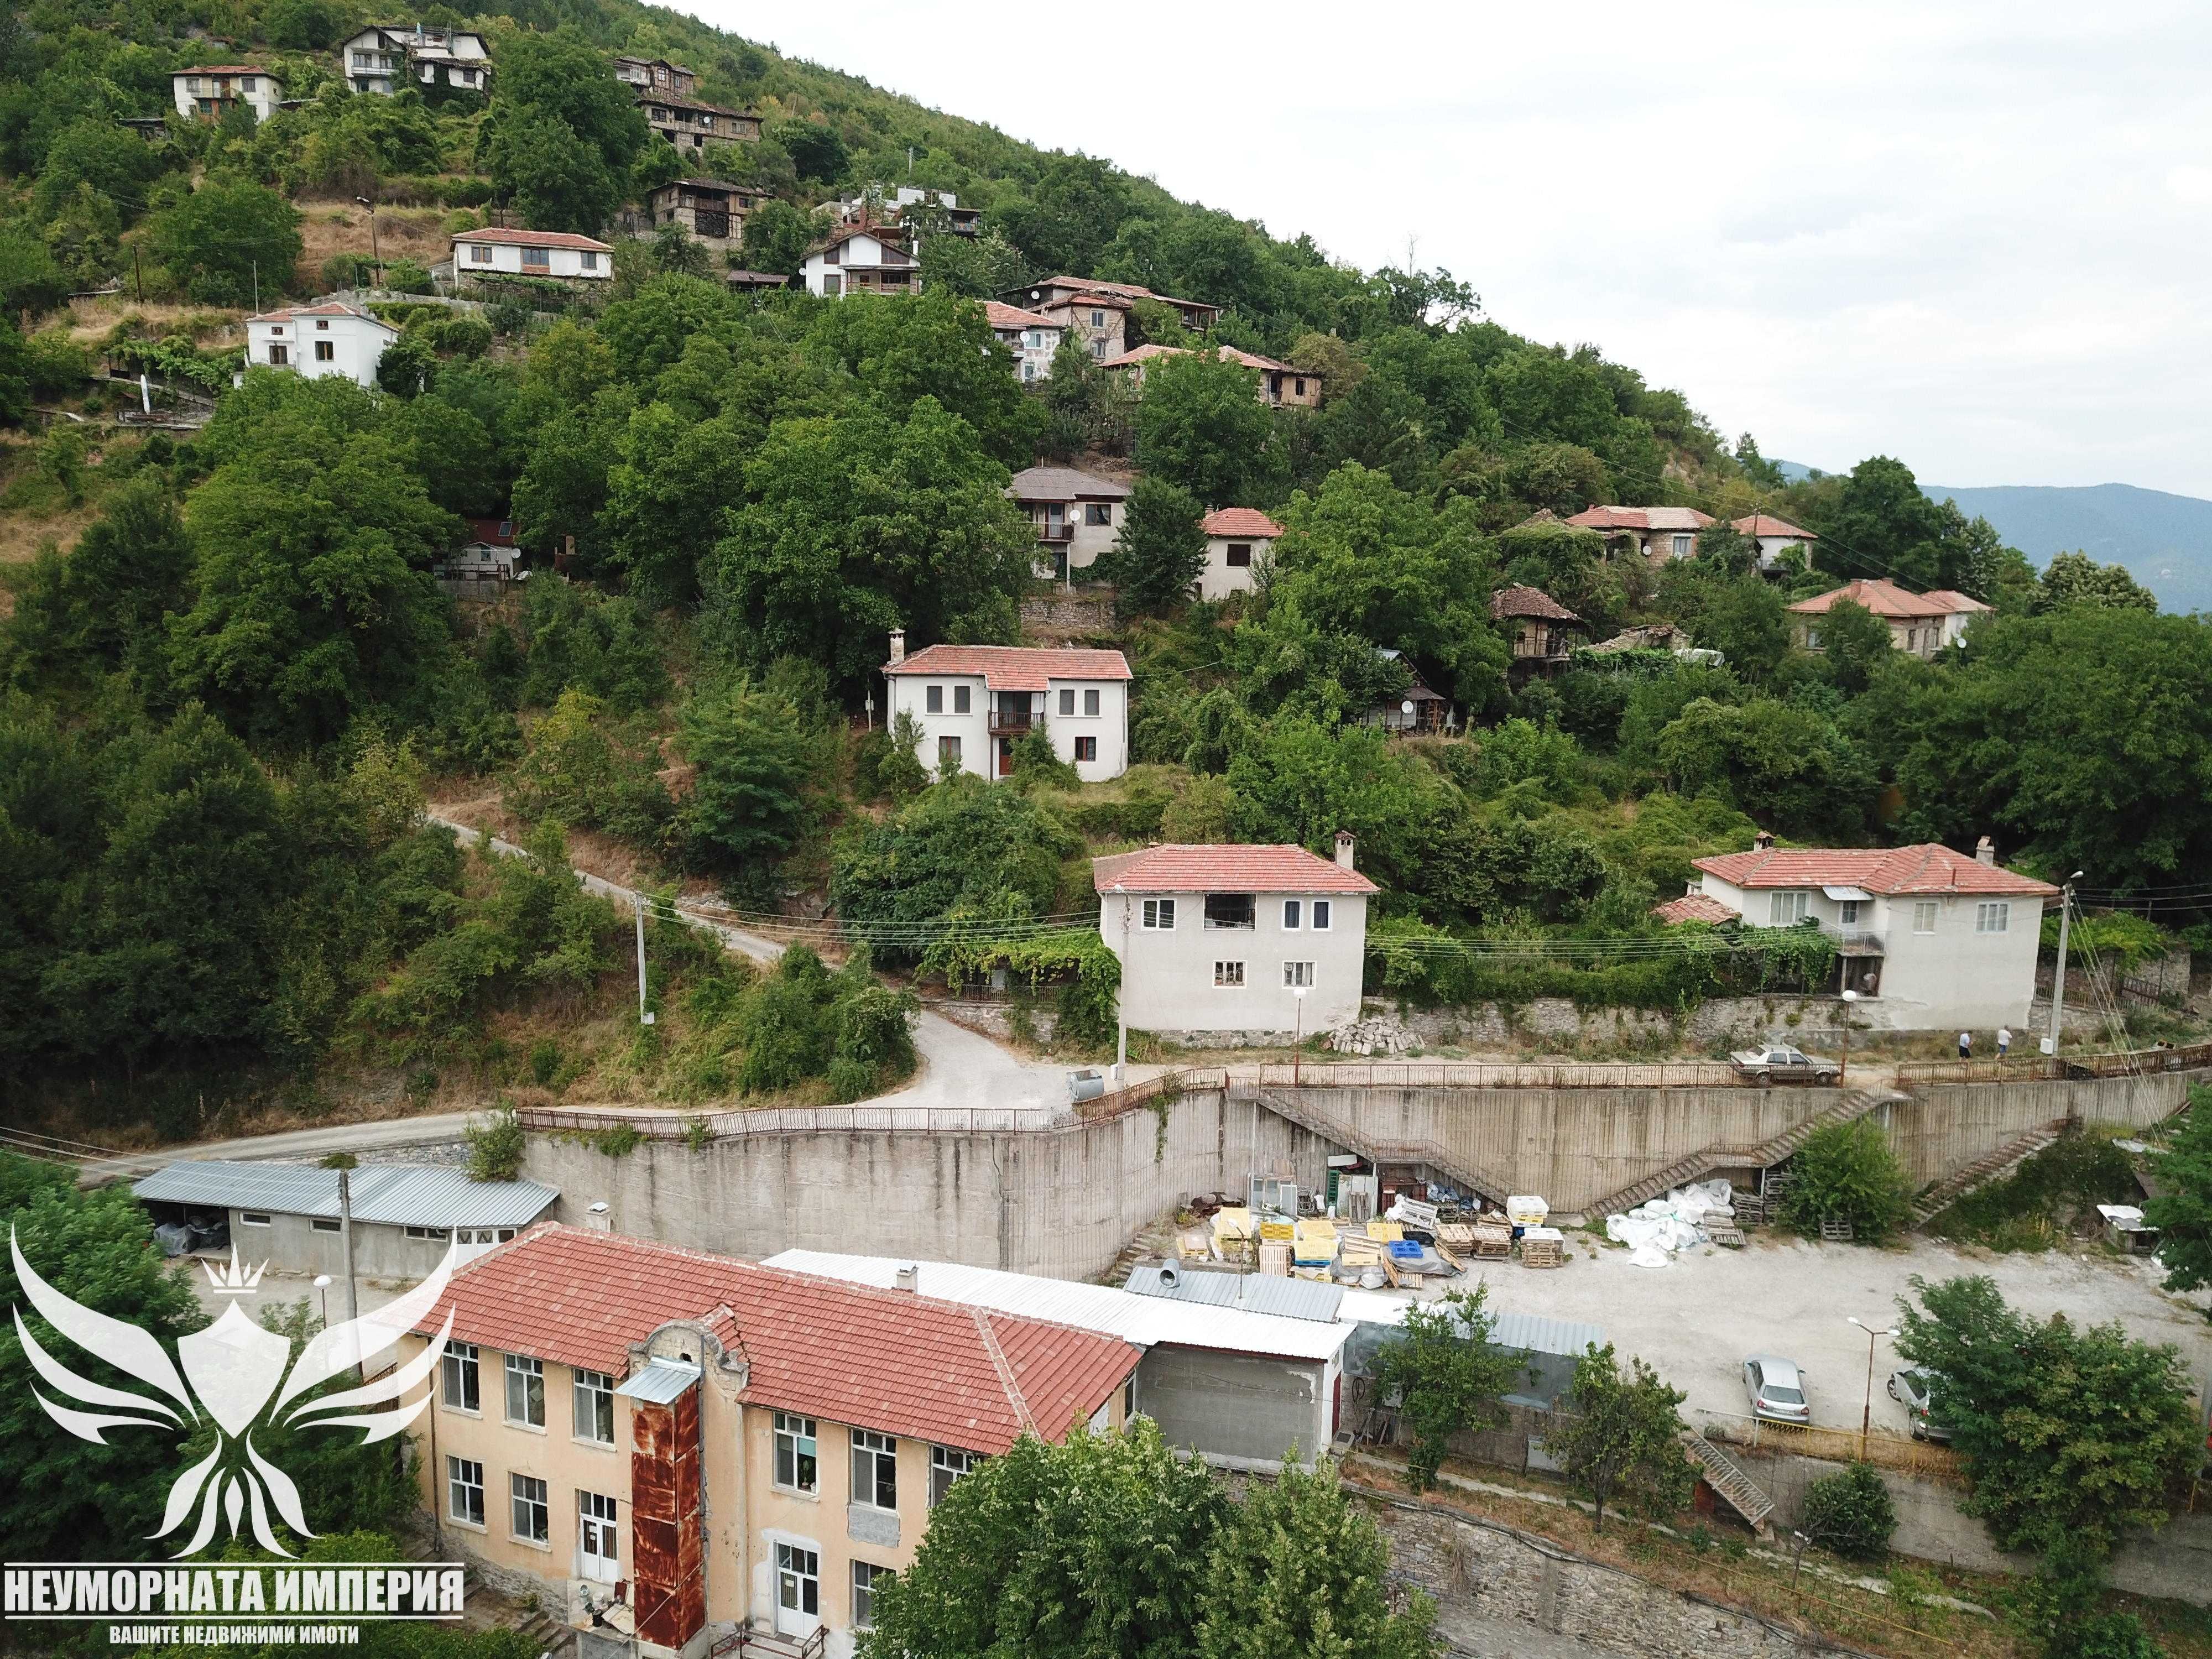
x=233, y=1280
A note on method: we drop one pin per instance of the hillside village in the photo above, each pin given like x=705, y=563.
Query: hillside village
x=664, y=703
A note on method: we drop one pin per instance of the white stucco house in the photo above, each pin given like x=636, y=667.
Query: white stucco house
x=1922, y=623
x=1032, y=338
x=1929, y=938
x=496, y=251
x=1774, y=537
x=329, y=338
x=857, y=261
x=205, y=93
x=1238, y=541
x=1270, y=940
x=384, y=57
x=975, y=701
x=1078, y=515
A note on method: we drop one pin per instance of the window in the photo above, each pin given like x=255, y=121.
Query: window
x=1291, y=916
x=479, y=253
x=325, y=350
x=1029, y=373
x=1097, y=512
x=1321, y=908
x=322, y=327
x=464, y=1489
x=960, y=697
x=933, y=699
x=1924, y=918
x=797, y=1580
x=1912, y=638
x=536, y=259
x=1128, y=1399
x=1239, y=556
x=1091, y=703
x=948, y=754
x=1992, y=918
x=525, y=1390
x=591, y=260
x=431, y=1235
x=278, y=356
x=864, y=1593
x=1297, y=975
x=1849, y=912
x=1785, y=910
x=875, y=1469
x=595, y=1404
x=1086, y=748
x=1301, y=387
x=1159, y=915
x=795, y=1462
x=461, y=1376
x=531, y=1518
x=832, y=285
x=597, y=1544
x=327, y=1225
x=946, y=1465
x=1229, y=975
x=1098, y=319
x=1229, y=910
x=1067, y=703
x=253, y=1217
x=1682, y=547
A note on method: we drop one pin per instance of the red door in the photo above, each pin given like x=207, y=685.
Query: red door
x=1005, y=757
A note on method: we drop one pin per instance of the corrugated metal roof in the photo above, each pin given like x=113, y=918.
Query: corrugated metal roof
x=1292, y=1298
x=1147, y=1321
x=396, y=1194
x=659, y=1381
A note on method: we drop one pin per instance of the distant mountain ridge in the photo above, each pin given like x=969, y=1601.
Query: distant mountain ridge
x=2164, y=540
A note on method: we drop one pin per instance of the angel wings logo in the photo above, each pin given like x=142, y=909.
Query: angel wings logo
x=232, y=1377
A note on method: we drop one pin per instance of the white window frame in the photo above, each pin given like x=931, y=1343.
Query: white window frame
x=951, y=1463
x=933, y=699
x=1924, y=912
x=871, y=1453
x=521, y=1371
x=464, y=1475
x=864, y=1574
x=800, y=1434
x=597, y=1520
x=801, y=1563
x=1090, y=704
x=255, y=1218
x=1157, y=915
x=1293, y=915
x=529, y=1502
x=1785, y=907
x=1320, y=914
x=1993, y=916
x=1297, y=975
x=1067, y=703
x=1228, y=975
x=1847, y=911
x=1684, y=545
x=429, y=1235
x=462, y=1373
x=592, y=1391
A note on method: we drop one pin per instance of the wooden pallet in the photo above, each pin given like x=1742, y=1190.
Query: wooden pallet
x=1541, y=1253
x=1835, y=1230
x=1723, y=1234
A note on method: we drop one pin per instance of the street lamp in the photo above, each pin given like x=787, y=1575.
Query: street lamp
x=1866, y=1414
x=323, y=1288
x=1298, y=1029
x=1844, y=1066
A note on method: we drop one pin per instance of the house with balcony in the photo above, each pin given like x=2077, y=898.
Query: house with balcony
x=911, y=207
x=692, y=125
x=1032, y=337
x=1920, y=623
x=1417, y=711
x=208, y=93
x=1238, y=543
x=854, y=260
x=1928, y=938
x=1653, y=534
x=327, y=338
x=1282, y=386
x=384, y=57
x=1078, y=515
x=1542, y=631
x=1774, y=537
x=974, y=702
x=712, y=211
x=656, y=75
x=672, y=1447
x=1050, y=293
x=559, y=255
x=1254, y=944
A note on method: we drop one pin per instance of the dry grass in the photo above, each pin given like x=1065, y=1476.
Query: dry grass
x=210, y=326
x=329, y=227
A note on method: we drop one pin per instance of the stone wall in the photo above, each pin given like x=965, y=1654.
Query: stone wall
x=1736, y=1022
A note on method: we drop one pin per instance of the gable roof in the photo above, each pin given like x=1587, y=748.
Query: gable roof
x=709, y=184
x=229, y=68
x=893, y=254
x=397, y=1195
x=1885, y=598
x=998, y=314
x=1063, y=484
x=1178, y=868
x=1239, y=521
x=1518, y=601
x=1146, y=352
x=506, y=237
x=322, y=309
x=1640, y=518
x=1928, y=867
x=1124, y=290
x=1765, y=524
x=888, y=1360
x=1694, y=907
x=1014, y=667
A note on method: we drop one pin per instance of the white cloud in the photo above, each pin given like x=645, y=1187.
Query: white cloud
x=1962, y=233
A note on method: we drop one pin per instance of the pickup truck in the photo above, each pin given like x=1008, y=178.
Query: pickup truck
x=1775, y=1064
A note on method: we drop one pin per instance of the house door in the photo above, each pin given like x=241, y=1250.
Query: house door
x=599, y=1551
x=1005, y=757
x=798, y=1590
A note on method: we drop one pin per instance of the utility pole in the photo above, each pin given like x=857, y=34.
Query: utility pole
x=345, y=1227
x=637, y=909
x=2058, y=977
x=256, y=264
x=1121, y=1008
x=138, y=275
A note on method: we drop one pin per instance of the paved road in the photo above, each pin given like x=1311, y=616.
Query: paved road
x=291, y=1143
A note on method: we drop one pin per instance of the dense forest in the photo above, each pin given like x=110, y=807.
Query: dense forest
x=232, y=681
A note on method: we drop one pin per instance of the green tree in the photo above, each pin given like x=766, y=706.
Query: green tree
x=229, y=239
x=776, y=238
x=1202, y=425
x=577, y=774
x=2182, y=1211
x=1789, y=766
x=2076, y=578
x=817, y=150
x=753, y=758
x=934, y=346
x=1853, y=643
x=1848, y=1171
x=964, y=846
x=1160, y=550
x=1446, y=1374
x=1621, y=1436
x=1068, y=220
x=1850, y=1512
x=562, y=134
x=1879, y=519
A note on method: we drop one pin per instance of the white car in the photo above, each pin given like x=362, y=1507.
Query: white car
x=1776, y=1389
x=1775, y=1064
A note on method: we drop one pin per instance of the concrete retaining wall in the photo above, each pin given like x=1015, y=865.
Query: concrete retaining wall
x=1945, y=1127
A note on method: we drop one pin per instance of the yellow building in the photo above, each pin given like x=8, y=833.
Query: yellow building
x=687, y=1444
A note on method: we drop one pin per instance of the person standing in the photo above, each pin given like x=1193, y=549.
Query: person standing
x=2004, y=1042
x=1965, y=1045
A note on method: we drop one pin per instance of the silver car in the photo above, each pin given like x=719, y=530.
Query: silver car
x=1778, y=1063
x=1776, y=1389
x=1914, y=1388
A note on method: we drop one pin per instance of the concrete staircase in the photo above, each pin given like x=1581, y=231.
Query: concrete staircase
x=1292, y=1108
x=1743, y=1494
x=1764, y=1156
x=1999, y=1163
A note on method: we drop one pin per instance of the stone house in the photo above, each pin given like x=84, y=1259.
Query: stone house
x=1921, y=624
x=1031, y=336
x=1654, y=534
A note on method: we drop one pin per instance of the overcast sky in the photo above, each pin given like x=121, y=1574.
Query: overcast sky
x=1974, y=236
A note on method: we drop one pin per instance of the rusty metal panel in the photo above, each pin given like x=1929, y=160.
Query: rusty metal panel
x=667, y=1542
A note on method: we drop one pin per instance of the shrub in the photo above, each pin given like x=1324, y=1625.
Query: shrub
x=458, y=335
x=496, y=1146
x=407, y=276
x=1848, y=1171
x=1850, y=1512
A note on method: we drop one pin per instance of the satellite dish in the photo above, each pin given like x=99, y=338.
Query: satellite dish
x=1406, y=706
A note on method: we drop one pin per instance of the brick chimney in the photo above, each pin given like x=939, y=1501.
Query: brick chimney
x=898, y=646
x=1985, y=851
x=1762, y=841
x=1344, y=845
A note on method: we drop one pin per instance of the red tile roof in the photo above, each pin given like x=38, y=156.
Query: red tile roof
x=1887, y=598
x=1143, y=354
x=1640, y=518
x=1765, y=524
x=505, y=237
x=327, y=308
x=1239, y=521
x=1000, y=315
x=1128, y=290
x=1014, y=667
x=1146, y=352
x=1225, y=869
x=1928, y=867
x=227, y=68
x=1693, y=907
x=1528, y=602
x=886, y=1360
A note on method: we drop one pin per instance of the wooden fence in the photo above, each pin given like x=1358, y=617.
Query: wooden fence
x=2054, y=1068
x=1497, y=1074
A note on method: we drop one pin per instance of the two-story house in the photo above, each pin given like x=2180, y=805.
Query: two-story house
x=384, y=57
x=713, y=209
x=1078, y=515
x=1654, y=534
x=1929, y=939
x=498, y=251
x=1774, y=537
x=1542, y=630
x=689, y=124
x=1031, y=336
x=326, y=338
x=974, y=702
x=861, y=261
x=1266, y=940
x=1238, y=543
x=911, y=207
x=656, y=75
x=1921, y=624
x=1283, y=385
x=206, y=92
x=722, y=1445
x=1050, y=293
